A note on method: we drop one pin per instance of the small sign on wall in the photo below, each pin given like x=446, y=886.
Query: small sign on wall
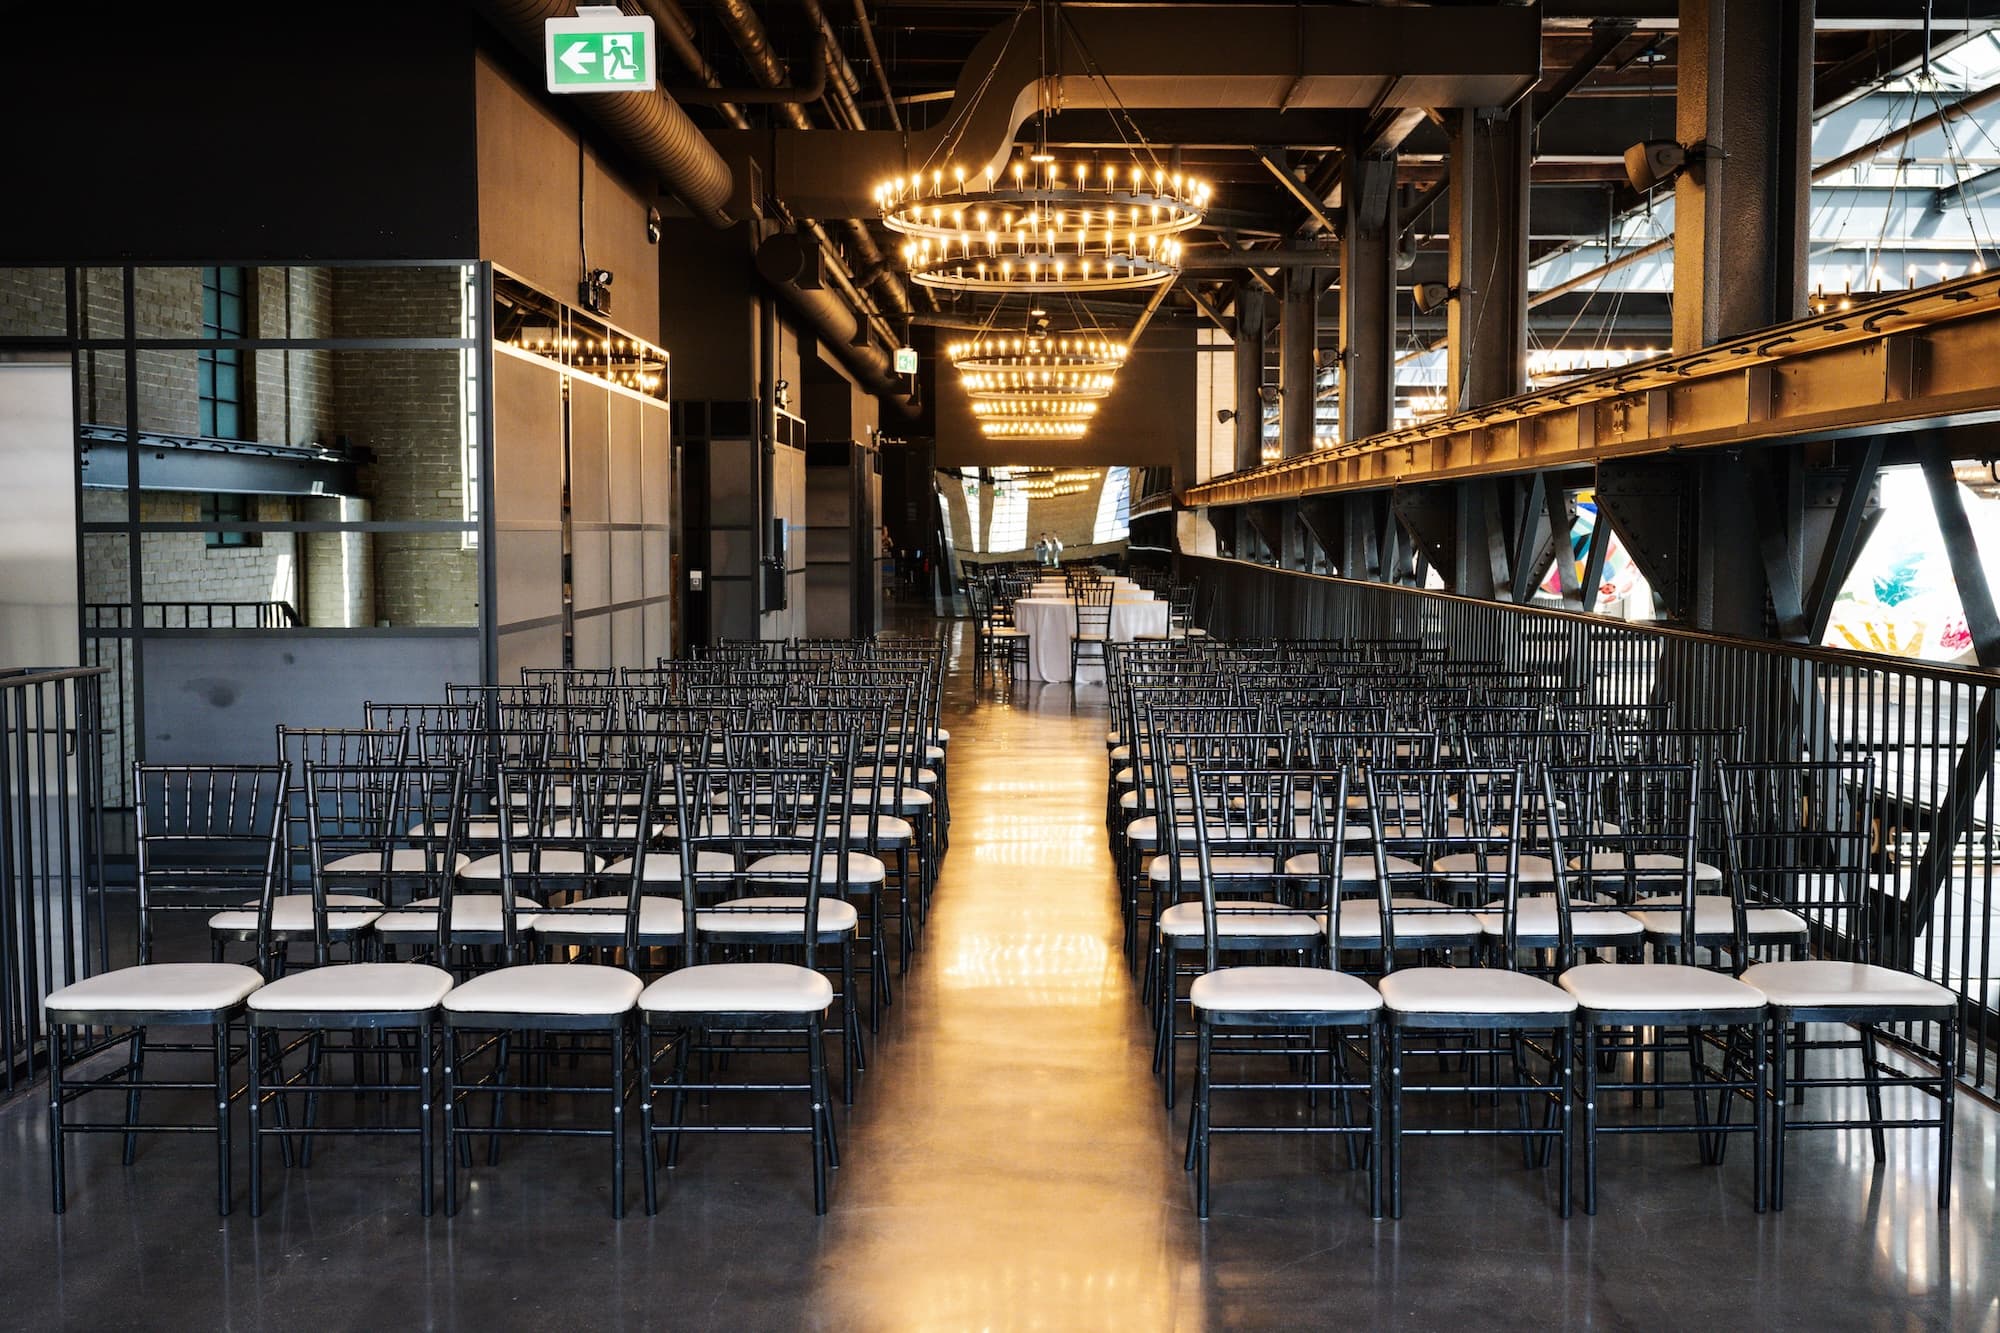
x=906, y=360
x=602, y=50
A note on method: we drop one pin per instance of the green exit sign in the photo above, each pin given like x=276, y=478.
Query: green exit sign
x=603, y=51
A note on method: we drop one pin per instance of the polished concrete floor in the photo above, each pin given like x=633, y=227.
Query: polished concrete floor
x=1007, y=1165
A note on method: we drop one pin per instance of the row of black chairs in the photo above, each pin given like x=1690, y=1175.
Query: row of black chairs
x=1524, y=898
x=523, y=881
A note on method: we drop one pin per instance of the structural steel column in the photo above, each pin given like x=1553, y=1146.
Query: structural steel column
x=1297, y=376
x=1487, y=323
x=1249, y=377
x=1368, y=296
x=1745, y=89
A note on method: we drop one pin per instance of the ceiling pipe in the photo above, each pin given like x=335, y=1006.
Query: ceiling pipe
x=875, y=62
x=811, y=90
x=1161, y=56
x=747, y=30
x=650, y=125
x=836, y=328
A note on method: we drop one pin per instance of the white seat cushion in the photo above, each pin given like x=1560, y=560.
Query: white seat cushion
x=1121, y=754
x=1288, y=990
x=356, y=988
x=1189, y=869
x=1353, y=869
x=1361, y=920
x=665, y=867
x=1535, y=919
x=1665, y=987
x=555, y=861
x=1612, y=862
x=164, y=988
x=924, y=776
x=471, y=914
x=1714, y=915
x=293, y=913
x=913, y=799
x=1236, y=920
x=741, y=988
x=1471, y=990
x=1128, y=800
x=768, y=916
x=1812, y=984
x=547, y=988
x=402, y=861
x=861, y=867
x=1529, y=869
x=659, y=918
x=890, y=829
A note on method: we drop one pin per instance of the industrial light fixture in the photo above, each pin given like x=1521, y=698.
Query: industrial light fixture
x=1430, y=297
x=1036, y=225
x=1657, y=161
x=1224, y=415
x=995, y=367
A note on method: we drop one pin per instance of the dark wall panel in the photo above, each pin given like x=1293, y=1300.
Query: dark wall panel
x=214, y=698
x=238, y=131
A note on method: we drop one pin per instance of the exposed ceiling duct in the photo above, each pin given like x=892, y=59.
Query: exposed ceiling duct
x=650, y=125
x=1161, y=56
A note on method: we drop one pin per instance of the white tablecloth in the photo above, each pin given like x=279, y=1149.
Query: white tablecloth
x=1050, y=624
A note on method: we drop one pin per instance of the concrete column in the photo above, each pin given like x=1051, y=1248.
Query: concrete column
x=1487, y=322
x=1367, y=296
x=1250, y=326
x=1297, y=338
x=1745, y=88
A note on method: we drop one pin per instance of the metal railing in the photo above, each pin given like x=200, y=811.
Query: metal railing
x=1929, y=729
x=195, y=615
x=53, y=925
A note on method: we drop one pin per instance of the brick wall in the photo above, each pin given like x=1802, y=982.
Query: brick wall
x=408, y=407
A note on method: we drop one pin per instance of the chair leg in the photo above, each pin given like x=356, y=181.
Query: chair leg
x=253, y=1062
x=1947, y=1106
x=135, y=1067
x=1589, y=1117
x=618, y=1045
x=816, y=1058
x=451, y=1126
x=1393, y=1091
x=649, y=1164
x=426, y=1122
x=1199, y=1112
x=222, y=1191
x=1760, y=1191
x=1374, y=1117
x=1781, y=1030
x=58, y=1174
x=1563, y=1046
x=1871, y=1070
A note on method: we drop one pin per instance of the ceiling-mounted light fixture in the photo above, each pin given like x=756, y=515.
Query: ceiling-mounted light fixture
x=1430, y=297
x=1657, y=161
x=1037, y=225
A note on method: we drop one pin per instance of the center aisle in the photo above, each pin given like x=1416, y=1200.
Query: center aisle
x=1017, y=1166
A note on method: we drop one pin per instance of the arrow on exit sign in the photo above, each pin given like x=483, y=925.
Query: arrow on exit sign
x=613, y=54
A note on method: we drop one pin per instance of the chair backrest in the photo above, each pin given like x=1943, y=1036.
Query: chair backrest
x=1445, y=840
x=299, y=746
x=486, y=698
x=354, y=823
x=1093, y=609
x=208, y=837
x=733, y=819
x=1255, y=826
x=414, y=718
x=1618, y=833
x=1802, y=836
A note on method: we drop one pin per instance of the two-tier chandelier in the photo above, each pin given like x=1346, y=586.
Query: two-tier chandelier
x=1036, y=385
x=1037, y=227
x=1040, y=225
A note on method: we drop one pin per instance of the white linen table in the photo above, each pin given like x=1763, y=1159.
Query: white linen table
x=1050, y=624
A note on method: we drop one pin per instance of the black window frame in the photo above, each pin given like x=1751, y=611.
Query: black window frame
x=225, y=314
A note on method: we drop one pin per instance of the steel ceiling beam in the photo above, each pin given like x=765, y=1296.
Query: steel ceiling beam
x=1927, y=359
x=1246, y=56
